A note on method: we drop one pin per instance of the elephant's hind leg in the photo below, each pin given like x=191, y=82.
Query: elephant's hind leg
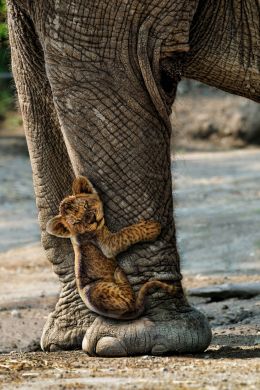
x=52, y=176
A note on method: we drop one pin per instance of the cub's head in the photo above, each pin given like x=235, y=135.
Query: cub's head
x=79, y=213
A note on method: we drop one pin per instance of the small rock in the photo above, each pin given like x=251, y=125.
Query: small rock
x=257, y=341
x=30, y=374
x=15, y=313
x=164, y=369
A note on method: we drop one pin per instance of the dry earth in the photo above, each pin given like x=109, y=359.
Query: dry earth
x=218, y=216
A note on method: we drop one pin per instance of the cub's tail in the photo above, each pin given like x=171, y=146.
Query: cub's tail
x=149, y=285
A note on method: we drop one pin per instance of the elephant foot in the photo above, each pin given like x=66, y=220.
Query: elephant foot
x=161, y=333
x=165, y=329
x=67, y=325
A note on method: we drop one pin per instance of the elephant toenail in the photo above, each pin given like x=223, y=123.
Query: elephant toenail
x=159, y=349
x=54, y=348
x=110, y=346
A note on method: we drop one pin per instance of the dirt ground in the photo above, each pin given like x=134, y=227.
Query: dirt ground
x=218, y=219
x=221, y=368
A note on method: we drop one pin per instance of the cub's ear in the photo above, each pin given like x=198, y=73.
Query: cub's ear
x=57, y=227
x=81, y=185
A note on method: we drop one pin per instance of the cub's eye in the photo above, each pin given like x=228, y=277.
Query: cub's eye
x=66, y=207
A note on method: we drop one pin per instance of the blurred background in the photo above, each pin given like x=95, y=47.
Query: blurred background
x=216, y=178
x=7, y=90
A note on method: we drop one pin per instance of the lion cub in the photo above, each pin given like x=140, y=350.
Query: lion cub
x=102, y=284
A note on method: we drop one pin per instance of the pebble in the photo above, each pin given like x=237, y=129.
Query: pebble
x=164, y=369
x=16, y=314
x=257, y=341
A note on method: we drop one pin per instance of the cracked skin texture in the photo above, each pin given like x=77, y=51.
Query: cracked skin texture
x=96, y=81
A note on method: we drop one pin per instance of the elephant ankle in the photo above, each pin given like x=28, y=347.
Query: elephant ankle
x=167, y=303
x=60, y=254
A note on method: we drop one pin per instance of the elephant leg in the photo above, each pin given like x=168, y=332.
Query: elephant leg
x=133, y=177
x=102, y=66
x=52, y=177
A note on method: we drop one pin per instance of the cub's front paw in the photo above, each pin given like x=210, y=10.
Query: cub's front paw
x=151, y=229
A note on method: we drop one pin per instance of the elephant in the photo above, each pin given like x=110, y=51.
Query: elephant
x=96, y=81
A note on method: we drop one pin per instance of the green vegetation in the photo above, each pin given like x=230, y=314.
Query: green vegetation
x=3, y=27
x=4, y=49
x=6, y=88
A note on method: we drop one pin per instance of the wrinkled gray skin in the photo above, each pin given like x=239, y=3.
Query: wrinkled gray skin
x=96, y=81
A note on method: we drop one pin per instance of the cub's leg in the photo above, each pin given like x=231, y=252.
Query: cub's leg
x=109, y=298
x=121, y=278
x=114, y=243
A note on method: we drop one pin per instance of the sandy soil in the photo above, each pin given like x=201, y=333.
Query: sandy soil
x=218, y=216
x=221, y=368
